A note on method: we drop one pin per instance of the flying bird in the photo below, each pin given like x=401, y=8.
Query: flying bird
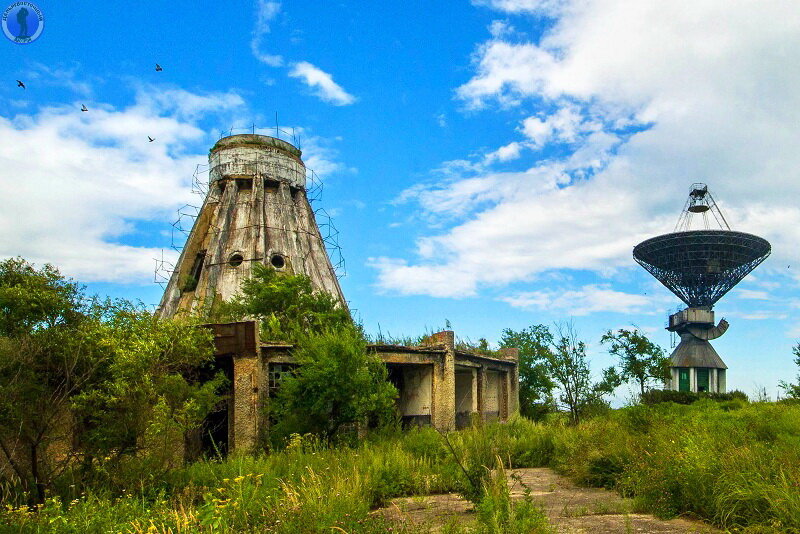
x=20, y=84
x=84, y=108
x=158, y=68
x=150, y=139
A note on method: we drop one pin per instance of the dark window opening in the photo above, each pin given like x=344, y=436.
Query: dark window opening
x=277, y=372
x=221, y=186
x=214, y=432
x=271, y=186
x=244, y=184
x=277, y=261
x=702, y=379
x=683, y=379
x=190, y=283
x=294, y=191
x=235, y=260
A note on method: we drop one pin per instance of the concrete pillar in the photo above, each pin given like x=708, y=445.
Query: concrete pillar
x=247, y=389
x=444, y=383
x=481, y=385
x=513, y=381
x=693, y=379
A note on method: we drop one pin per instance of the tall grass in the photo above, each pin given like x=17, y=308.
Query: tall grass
x=733, y=464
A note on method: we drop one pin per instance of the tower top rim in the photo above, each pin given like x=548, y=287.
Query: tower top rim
x=255, y=140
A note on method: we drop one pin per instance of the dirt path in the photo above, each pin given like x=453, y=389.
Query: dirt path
x=570, y=508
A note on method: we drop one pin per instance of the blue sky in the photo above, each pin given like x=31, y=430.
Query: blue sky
x=491, y=163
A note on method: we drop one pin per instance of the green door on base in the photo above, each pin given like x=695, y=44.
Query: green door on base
x=683, y=379
x=702, y=379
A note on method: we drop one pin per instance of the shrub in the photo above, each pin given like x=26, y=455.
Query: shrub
x=337, y=382
x=656, y=396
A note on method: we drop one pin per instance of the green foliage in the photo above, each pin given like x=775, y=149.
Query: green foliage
x=32, y=299
x=49, y=352
x=535, y=384
x=337, y=382
x=93, y=380
x=188, y=283
x=499, y=514
x=569, y=368
x=159, y=383
x=793, y=390
x=738, y=469
x=640, y=360
x=286, y=305
x=656, y=396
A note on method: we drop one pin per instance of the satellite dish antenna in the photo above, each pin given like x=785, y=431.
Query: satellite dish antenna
x=699, y=267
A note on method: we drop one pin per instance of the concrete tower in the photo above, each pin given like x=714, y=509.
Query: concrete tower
x=256, y=211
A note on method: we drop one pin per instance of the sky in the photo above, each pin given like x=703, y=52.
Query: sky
x=488, y=164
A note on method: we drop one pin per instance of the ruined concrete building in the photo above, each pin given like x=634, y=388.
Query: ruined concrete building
x=257, y=210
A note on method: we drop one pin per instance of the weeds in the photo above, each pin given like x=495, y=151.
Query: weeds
x=739, y=469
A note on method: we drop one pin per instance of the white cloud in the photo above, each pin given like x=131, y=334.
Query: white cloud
x=76, y=183
x=565, y=125
x=266, y=11
x=320, y=156
x=323, y=84
x=752, y=294
x=507, y=152
x=62, y=76
x=501, y=28
x=588, y=299
x=545, y=7
x=648, y=97
x=506, y=72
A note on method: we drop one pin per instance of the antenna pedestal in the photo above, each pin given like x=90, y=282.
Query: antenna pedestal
x=695, y=365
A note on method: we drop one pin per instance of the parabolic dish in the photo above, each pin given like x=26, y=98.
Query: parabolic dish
x=700, y=266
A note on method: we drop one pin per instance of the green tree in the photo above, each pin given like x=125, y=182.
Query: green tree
x=535, y=384
x=80, y=376
x=47, y=356
x=569, y=368
x=286, y=305
x=32, y=299
x=640, y=360
x=793, y=390
x=158, y=384
x=337, y=382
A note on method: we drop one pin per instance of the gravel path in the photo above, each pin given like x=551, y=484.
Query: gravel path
x=570, y=508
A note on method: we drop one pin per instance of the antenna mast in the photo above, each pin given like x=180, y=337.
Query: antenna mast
x=700, y=202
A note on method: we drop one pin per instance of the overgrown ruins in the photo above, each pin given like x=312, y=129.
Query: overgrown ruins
x=257, y=210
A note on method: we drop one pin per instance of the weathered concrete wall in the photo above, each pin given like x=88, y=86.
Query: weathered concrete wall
x=466, y=401
x=416, y=396
x=491, y=408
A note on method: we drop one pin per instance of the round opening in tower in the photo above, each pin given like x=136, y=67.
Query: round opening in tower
x=277, y=261
x=235, y=260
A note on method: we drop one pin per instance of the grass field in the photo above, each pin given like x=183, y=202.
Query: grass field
x=734, y=464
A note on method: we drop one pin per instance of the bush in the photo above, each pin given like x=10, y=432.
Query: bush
x=337, y=383
x=656, y=396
